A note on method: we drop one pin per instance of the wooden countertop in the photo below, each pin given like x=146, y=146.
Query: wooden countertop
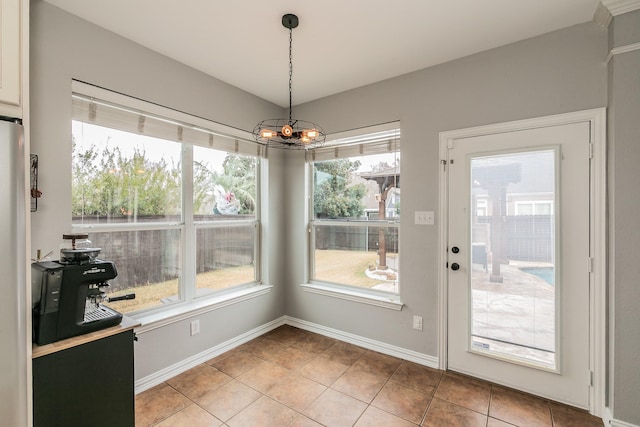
x=42, y=350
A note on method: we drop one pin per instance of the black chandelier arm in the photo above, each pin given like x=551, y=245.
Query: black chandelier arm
x=283, y=133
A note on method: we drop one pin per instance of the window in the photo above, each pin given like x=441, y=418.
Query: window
x=174, y=205
x=534, y=208
x=355, y=212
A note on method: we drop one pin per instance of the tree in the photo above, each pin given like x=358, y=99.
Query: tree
x=237, y=178
x=110, y=184
x=336, y=195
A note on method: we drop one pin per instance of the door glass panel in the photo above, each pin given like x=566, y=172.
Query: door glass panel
x=513, y=260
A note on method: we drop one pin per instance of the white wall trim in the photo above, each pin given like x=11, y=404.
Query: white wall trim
x=159, y=319
x=622, y=49
x=171, y=371
x=597, y=300
x=618, y=7
x=391, y=302
x=379, y=346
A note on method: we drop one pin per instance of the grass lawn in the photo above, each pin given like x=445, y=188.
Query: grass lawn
x=347, y=267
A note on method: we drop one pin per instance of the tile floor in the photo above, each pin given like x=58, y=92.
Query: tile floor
x=291, y=377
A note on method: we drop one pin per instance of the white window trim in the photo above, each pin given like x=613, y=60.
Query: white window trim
x=182, y=311
x=160, y=316
x=345, y=292
x=364, y=296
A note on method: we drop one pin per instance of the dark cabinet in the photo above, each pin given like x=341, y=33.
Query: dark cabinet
x=91, y=384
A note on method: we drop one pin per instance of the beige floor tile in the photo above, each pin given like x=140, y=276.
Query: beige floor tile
x=404, y=402
x=492, y=422
x=314, y=343
x=359, y=384
x=287, y=335
x=323, y=370
x=199, y=380
x=443, y=413
x=335, y=409
x=465, y=392
x=519, y=408
x=295, y=378
x=302, y=421
x=291, y=357
x=374, y=417
x=565, y=416
x=228, y=400
x=264, y=412
x=417, y=377
x=191, y=416
x=296, y=391
x=378, y=364
x=237, y=363
x=158, y=403
x=264, y=376
x=344, y=353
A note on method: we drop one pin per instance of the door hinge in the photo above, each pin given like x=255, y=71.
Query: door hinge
x=590, y=378
x=590, y=264
x=591, y=150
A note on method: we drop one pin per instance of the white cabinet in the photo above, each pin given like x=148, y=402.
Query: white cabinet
x=10, y=58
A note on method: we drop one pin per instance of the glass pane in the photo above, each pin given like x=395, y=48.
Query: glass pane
x=365, y=257
x=148, y=264
x=365, y=187
x=224, y=185
x=513, y=257
x=122, y=177
x=225, y=257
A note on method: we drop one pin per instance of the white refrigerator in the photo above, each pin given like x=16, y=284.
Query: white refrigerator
x=13, y=272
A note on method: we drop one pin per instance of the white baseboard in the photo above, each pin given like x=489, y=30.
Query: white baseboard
x=162, y=375
x=381, y=347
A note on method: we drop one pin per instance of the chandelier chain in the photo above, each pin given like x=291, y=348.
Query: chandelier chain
x=290, y=70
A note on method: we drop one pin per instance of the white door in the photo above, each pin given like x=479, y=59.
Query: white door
x=518, y=254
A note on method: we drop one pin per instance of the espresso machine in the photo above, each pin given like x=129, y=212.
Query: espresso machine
x=67, y=294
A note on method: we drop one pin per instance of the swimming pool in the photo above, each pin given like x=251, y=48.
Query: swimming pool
x=548, y=274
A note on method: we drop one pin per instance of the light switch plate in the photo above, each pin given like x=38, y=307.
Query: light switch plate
x=424, y=217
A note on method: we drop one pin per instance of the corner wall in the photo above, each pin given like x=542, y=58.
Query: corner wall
x=64, y=47
x=559, y=72
x=624, y=232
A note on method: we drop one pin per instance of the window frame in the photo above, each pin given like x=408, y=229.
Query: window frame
x=389, y=300
x=188, y=303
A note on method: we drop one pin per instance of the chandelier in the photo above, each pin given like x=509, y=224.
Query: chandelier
x=289, y=133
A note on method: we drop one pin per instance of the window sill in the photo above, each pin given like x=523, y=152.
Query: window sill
x=151, y=321
x=386, y=301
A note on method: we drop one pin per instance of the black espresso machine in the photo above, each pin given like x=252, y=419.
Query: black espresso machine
x=67, y=294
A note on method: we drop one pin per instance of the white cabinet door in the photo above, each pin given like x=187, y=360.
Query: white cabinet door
x=10, y=53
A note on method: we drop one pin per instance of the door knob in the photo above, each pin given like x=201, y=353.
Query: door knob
x=455, y=249
x=455, y=266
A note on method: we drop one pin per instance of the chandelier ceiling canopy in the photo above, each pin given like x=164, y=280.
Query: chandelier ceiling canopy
x=289, y=133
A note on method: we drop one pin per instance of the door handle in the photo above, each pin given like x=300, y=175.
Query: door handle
x=455, y=249
x=455, y=266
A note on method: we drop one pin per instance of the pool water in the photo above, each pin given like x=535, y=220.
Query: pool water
x=547, y=274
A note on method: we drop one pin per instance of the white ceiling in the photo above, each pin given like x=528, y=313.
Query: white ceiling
x=339, y=44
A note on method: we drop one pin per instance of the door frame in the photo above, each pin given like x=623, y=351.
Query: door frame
x=597, y=224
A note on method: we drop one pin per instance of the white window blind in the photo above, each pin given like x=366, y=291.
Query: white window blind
x=187, y=129
x=384, y=141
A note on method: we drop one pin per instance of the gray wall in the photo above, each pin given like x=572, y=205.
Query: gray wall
x=65, y=48
x=559, y=72
x=555, y=73
x=624, y=205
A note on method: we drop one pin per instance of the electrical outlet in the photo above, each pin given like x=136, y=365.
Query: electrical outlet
x=195, y=327
x=424, y=217
x=417, y=323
